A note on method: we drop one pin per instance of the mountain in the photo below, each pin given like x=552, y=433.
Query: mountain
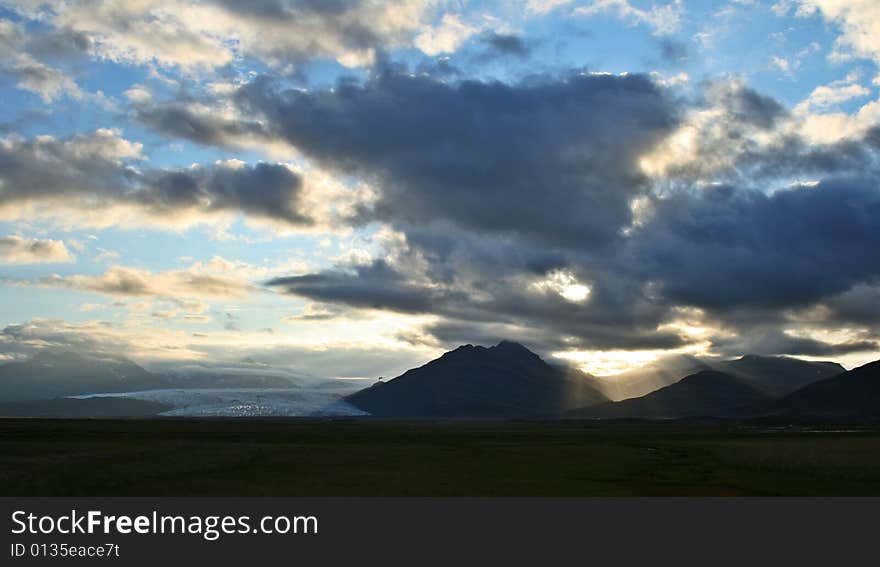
x=853, y=394
x=211, y=378
x=706, y=393
x=778, y=376
x=50, y=375
x=775, y=376
x=53, y=375
x=506, y=380
x=651, y=377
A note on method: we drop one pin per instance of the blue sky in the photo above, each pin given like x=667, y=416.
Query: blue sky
x=135, y=216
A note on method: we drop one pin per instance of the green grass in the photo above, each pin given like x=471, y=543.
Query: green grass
x=388, y=458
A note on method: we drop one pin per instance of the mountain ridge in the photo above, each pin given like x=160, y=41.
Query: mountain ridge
x=505, y=380
x=851, y=394
x=708, y=393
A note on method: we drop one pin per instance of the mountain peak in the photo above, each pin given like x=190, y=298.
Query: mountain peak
x=506, y=349
x=506, y=380
x=504, y=343
x=511, y=347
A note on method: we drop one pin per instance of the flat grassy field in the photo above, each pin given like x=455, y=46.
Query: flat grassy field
x=393, y=458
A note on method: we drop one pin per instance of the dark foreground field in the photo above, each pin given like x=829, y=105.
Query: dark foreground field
x=379, y=458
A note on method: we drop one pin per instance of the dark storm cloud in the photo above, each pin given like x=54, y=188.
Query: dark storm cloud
x=724, y=248
x=506, y=44
x=727, y=152
x=861, y=304
x=544, y=339
x=530, y=178
x=872, y=137
x=477, y=295
x=93, y=170
x=178, y=119
x=550, y=160
x=496, y=186
x=43, y=168
x=262, y=190
x=792, y=156
x=773, y=341
x=811, y=347
x=748, y=106
x=376, y=285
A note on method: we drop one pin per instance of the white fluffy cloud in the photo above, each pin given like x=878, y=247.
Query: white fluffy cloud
x=17, y=250
x=215, y=279
x=663, y=19
x=859, y=21
x=444, y=37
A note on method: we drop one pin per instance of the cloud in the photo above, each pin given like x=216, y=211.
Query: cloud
x=263, y=190
x=30, y=73
x=673, y=52
x=211, y=34
x=544, y=6
x=574, y=212
x=725, y=248
x=729, y=250
x=663, y=20
x=445, y=37
x=501, y=44
x=132, y=282
x=857, y=305
x=17, y=250
x=574, y=141
x=473, y=283
x=171, y=293
x=540, y=202
x=161, y=348
x=732, y=122
x=833, y=94
x=376, y=285
x=819, y=123
x=97, y=173
x=859, y=22
x=195, y=121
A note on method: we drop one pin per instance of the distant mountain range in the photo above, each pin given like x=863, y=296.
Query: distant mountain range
x=775, y=376
x=54, y=375
x=706, y=393
x=506, y=380
x=50, y=375
x=503, y=381
x=854, y=394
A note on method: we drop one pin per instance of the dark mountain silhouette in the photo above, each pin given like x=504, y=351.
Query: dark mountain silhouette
x=778, y=376
x=651, y=377
x=706, y=393
x=53, y=375
x=506, y=380
x=853, y=394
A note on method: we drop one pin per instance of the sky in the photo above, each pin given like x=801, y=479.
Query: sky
x=348, y=188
